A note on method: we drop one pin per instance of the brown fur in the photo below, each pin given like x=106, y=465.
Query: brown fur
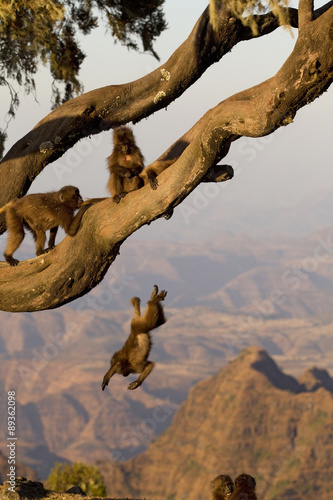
x=222, y=487
x=150, y=173
x=125, y=164
x=133, y=356
x=244, y=488
x=39, y=213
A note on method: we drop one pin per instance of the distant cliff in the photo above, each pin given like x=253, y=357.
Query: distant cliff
x=250, y=417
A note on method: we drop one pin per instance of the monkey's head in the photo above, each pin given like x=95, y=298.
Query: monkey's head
x=70, y=196
x=123, y=137
x=223, y=485
x=245, y=481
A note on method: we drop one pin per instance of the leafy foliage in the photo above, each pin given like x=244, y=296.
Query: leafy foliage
x=46, y=31
x=247, y=10
x=63, y=476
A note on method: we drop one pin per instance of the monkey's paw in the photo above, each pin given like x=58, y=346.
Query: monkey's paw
x=118, y=197
x=153, y=183
x=11, y=261
x=129, y=176
x=104, y=384
x=135, y=301
x=47, y=250
x=133, y=385
x=162, y=295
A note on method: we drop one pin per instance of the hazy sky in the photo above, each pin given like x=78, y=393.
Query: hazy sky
x=275, y=171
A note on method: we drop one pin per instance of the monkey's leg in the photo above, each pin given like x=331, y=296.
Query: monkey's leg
x=112, y=370
x=135, y=301
x=154, y=314
x=144, y=374
x=11, y=261
x=152, y=178
x=157, y=297
x=15, y=236
x=154, y=292
x=53, y=234
x=117, y=188
x=40, y=241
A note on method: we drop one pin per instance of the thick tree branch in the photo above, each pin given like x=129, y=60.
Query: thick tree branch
x=305, y=12
x=77, y=264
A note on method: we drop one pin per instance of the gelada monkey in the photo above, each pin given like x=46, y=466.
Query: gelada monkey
x=133, y=356
x=125, y=164
x=221, y=487
x=38, y=213
x=244, y=488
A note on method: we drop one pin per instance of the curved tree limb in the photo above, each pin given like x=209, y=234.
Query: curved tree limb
x=305, y=13
x=77, y=264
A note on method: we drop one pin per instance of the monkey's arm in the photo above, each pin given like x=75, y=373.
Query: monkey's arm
x=75, y=224
x=112, y=370
x=135, y=301
x=144, y=374
x=92, y=201
x=150, y=173
x=137, y=170
x=125, y=172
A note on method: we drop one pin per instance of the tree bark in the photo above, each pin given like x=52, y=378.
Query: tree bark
x=77, y=264
x=305, y=13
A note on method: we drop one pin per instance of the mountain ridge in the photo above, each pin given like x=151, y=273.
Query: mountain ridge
x=238, y=421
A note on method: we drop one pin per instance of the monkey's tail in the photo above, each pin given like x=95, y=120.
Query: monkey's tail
x=5, y=207
x=91, y=201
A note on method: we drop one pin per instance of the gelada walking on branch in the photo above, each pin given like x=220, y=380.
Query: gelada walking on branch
x=39, y=213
